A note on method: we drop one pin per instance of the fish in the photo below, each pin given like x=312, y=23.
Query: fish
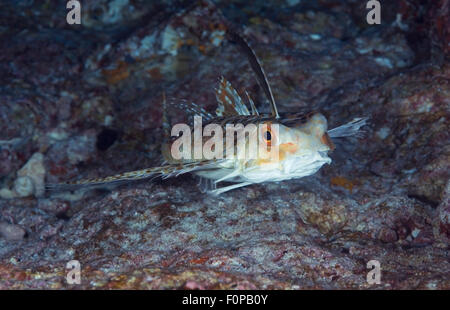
x=302, y=141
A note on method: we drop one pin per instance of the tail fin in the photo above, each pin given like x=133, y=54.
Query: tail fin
x=114, y=179
x=166, y=171
x=350, y=129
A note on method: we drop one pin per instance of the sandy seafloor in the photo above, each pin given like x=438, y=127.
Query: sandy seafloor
x=80, y=101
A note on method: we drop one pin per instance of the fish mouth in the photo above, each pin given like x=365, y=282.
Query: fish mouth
x=307, y=162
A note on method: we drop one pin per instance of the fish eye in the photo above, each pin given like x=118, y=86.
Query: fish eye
x=267, y=135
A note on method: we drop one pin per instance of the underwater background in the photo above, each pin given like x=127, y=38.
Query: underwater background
x=84, y=101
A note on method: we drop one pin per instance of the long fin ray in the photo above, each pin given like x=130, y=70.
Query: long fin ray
x=252, y=104
x=165, y=120
x=257, y=68
x=221, y=190
x=229, y=102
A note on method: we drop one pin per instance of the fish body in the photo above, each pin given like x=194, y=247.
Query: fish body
x=302, y=140
x=300, y=143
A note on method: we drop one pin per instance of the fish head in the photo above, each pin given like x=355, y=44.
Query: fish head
x=294, y=151
x=311, y=137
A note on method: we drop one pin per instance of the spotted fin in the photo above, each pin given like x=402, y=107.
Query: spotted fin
x=191, y=109
x=167, y=171
x=229, y=101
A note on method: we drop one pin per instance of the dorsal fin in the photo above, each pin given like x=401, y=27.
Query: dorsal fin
x=252, y=104
x=229, y=102
x=257, y=68
x=191, y=109
x=165, y=119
